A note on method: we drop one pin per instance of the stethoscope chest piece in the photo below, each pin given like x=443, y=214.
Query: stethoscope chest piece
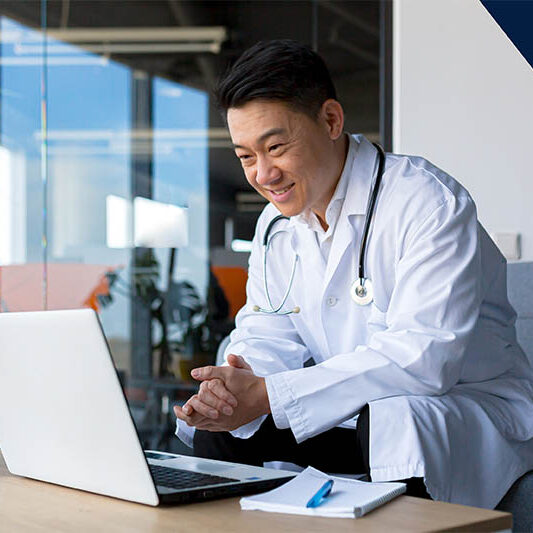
x=361, y=291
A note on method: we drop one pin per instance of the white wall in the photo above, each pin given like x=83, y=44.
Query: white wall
x=463, y=98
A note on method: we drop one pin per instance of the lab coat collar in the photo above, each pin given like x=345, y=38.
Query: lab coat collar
x=359, y=170
x=361, y=162
x=355, y=203
x=363, y=175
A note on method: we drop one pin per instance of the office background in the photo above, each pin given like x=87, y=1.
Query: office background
x=104, y=104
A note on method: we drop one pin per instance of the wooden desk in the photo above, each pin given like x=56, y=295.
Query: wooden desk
x=28, y=505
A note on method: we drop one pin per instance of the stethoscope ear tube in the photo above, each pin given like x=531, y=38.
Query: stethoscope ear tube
x=370, y=212
x=266, y=243
x=269, y=227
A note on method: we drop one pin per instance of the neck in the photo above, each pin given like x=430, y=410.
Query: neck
x=341, y=149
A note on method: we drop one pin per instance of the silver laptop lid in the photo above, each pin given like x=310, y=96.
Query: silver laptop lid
x=63, y=416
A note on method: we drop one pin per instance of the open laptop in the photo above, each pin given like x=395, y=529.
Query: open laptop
x=64, y=419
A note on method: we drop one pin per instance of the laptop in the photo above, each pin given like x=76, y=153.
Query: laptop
x=64, y=419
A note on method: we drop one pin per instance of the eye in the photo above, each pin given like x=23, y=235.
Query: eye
x=245, y=159
x=274, y=147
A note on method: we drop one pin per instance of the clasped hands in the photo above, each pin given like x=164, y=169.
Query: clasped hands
x=229, y=397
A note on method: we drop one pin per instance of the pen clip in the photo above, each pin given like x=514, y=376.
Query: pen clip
x=321, y=494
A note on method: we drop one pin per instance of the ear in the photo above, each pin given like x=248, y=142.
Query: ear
x=333, y=116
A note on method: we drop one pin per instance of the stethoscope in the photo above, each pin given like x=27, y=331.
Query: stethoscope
x=361, y=290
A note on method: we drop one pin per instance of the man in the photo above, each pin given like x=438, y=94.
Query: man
x=426, y=382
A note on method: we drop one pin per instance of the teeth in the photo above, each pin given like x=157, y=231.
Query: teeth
x=283, y=190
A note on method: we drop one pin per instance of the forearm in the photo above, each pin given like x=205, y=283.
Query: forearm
x=321, y=397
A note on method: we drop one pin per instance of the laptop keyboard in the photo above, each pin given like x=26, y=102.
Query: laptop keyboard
x=176, y=478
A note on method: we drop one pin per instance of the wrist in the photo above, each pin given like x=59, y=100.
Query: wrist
x=262, y=396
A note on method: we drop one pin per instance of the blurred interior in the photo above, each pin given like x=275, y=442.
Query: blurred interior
x=119, y=189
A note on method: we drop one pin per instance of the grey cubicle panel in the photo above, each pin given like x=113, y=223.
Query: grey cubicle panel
x=520, y=291
x=519, y=499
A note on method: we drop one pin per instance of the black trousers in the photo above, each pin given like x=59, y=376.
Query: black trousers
x=338, y=451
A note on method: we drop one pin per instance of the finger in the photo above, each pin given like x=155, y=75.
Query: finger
x=187, y=409
x=178, y=411
x=238, y=361
x=192, y=421
x=208, y=372
x=210, y=399
x=202, y=408
x=217, y=387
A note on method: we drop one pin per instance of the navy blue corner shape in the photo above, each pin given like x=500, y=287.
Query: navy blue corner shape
x=515, y=18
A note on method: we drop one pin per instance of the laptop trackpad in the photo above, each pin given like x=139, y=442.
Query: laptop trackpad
x=204, y=465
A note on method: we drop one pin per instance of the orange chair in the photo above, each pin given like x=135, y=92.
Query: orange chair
x=233, y=280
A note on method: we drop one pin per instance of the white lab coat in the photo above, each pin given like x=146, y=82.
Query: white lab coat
x=435, y=354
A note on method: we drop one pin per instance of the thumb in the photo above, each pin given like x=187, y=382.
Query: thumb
x=237, y=361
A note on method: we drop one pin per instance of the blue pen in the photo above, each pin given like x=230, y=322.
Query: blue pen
x=321, y=494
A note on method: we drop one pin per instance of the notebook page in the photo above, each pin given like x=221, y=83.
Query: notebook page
x=348, y=497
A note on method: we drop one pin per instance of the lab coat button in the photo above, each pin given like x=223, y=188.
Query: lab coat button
x=331, y=301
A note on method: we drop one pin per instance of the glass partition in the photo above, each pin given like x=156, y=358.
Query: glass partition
x=22, y=183
x=119, y=188
x=89, y=154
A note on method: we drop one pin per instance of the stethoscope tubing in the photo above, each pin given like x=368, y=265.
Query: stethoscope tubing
x=269, y=227
x=370, y=211
x=265, y=283
x=361, y=268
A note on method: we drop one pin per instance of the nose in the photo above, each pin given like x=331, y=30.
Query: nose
x=266, y=172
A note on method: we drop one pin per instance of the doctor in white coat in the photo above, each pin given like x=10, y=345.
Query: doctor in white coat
x=434, y=354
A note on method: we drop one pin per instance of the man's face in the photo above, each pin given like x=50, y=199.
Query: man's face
x=287, y=157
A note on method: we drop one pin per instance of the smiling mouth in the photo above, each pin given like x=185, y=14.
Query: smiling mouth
x=281, y=191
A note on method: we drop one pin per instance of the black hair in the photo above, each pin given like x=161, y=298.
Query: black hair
x=280, y=70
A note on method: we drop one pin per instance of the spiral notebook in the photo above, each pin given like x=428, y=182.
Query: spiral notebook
x=349, y=498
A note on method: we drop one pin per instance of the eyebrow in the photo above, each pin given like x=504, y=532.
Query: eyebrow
x=266, y=135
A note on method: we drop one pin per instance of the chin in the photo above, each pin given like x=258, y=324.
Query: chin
x=288, y=210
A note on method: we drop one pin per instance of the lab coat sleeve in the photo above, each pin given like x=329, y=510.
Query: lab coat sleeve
x=268, y=342
x=432, y=311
